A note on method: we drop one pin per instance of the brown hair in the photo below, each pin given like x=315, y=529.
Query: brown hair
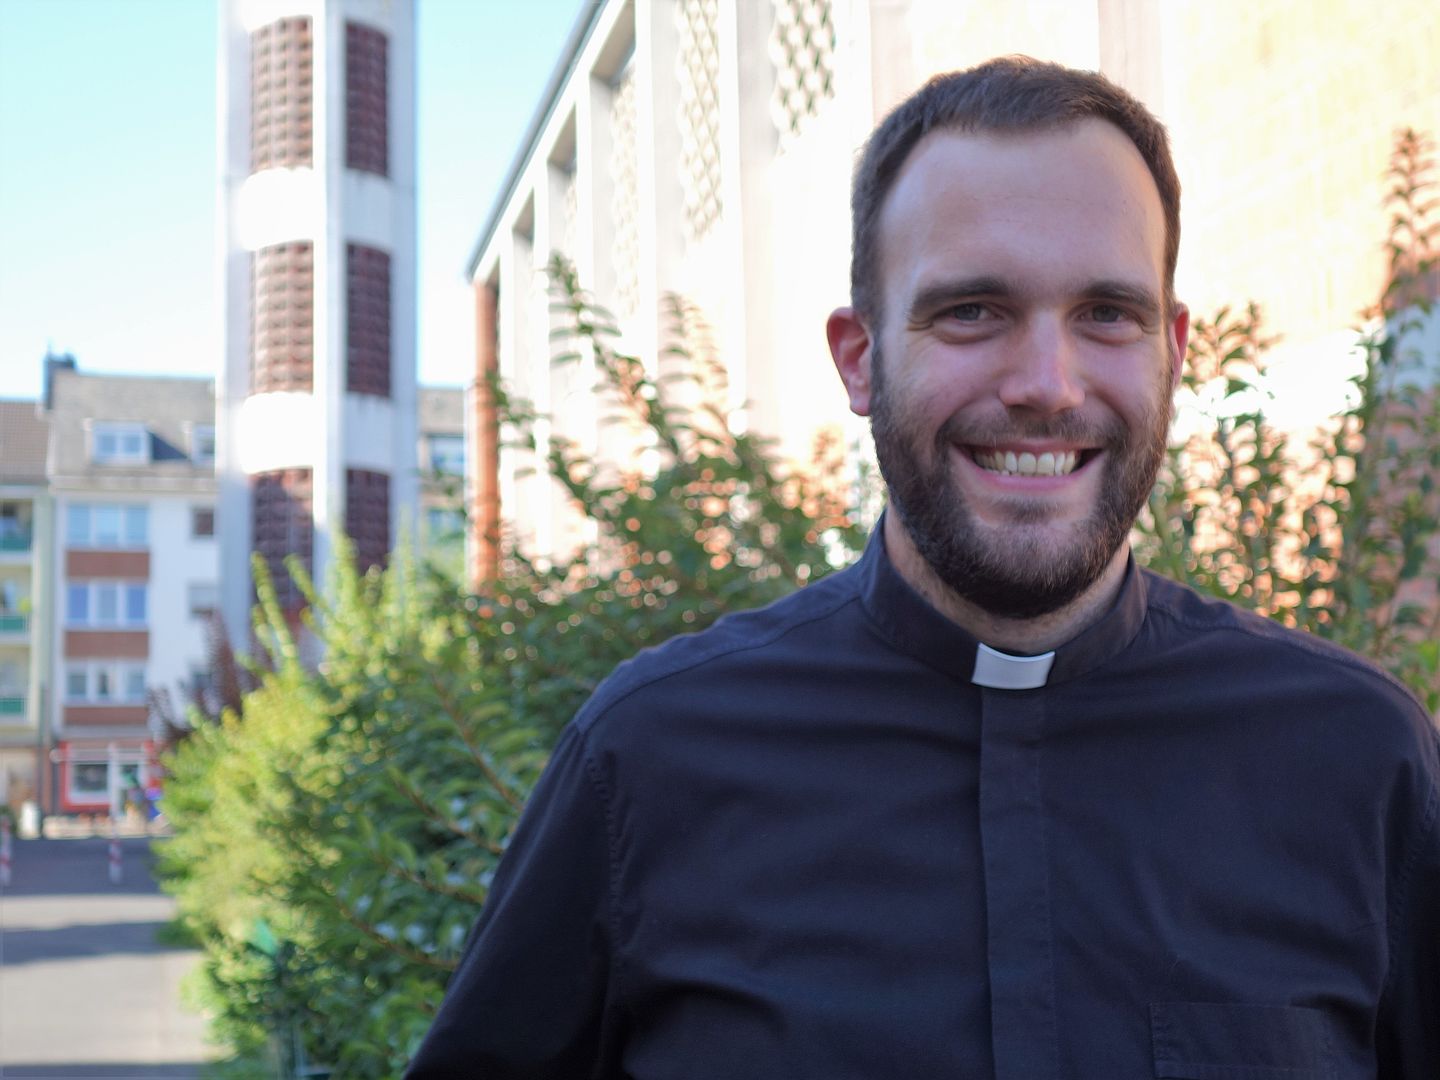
x=1011, y=93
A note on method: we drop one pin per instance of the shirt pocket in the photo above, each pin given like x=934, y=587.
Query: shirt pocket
x=1195, y=1041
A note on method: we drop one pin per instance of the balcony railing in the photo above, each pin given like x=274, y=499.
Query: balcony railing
x=14, y=624
x=12, y=704
x=15, y=541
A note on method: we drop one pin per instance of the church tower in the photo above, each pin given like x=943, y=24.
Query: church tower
x=316, y=394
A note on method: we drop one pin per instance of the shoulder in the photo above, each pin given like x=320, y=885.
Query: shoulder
x=1240, y=641
x=735, y=640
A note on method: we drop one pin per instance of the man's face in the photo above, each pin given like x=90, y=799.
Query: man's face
x=1021, y=376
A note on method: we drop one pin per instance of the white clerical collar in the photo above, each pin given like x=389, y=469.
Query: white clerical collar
x=1001, y=671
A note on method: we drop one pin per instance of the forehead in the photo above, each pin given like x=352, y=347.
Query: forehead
x=1069, y=204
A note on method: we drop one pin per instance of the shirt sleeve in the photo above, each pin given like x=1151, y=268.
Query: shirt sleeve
x=532, y=991
x=1408, y=1032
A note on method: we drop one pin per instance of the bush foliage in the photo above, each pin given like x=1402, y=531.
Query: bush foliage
x=1340, y=537
x=333, y=847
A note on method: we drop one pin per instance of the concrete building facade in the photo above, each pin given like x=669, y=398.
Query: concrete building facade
x=316, y=395
x=704, y=148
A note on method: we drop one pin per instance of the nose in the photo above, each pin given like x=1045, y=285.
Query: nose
x=1041, y=371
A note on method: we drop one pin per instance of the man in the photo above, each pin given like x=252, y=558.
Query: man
x=993, y=802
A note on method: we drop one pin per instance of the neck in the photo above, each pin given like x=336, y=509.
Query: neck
x=1023, y=637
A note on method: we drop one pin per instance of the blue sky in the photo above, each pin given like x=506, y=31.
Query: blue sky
x=108, y=174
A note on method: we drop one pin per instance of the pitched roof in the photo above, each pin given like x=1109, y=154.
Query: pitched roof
x=170, y=407
x=24, y=434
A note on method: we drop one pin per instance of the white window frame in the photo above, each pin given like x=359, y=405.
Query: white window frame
x=127, y=536
x=118, y=674
x=450, y=440
x=88, y=795
x=97, y=587
x=196, y=510
x=200, y=436
x=202, y=611
x=121, y=432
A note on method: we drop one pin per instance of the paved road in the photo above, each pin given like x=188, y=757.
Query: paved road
x=85, y=989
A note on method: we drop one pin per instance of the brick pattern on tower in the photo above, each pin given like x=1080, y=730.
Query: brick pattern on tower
x=367, y=515
x=282, y=314
x=281, y=112
x=367, y=135
x=367, y=321
x=282, y=525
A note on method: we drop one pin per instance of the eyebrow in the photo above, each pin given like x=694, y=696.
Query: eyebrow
x=939, y=293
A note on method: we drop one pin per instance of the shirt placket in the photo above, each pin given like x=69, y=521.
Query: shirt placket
x=1017, y=886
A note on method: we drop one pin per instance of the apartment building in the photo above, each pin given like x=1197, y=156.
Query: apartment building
x=441, y=457
x=25, y=517
x=131, y=471
x=704, y=148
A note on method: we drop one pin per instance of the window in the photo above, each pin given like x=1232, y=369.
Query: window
x=105, y=682
x=202, y=521
x=447, y=454
x=119, y=444
x=442, y=524
x=203, y=597
x=106, y=605
x=202, y=444
x=77, y=526
x=135, y=605
x=89, y=778
x=137, y=522
x=77, y=604
x=107, y=525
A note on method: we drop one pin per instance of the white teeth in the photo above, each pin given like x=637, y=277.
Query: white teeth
x=1008, y=463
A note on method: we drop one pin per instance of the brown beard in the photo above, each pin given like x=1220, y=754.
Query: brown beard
x=1017, y=574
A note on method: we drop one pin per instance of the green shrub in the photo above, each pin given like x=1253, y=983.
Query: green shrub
x=1340, y=538
x=334, y=847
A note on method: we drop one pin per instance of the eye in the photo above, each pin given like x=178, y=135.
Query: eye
x=969, y=313
x=1108, y=313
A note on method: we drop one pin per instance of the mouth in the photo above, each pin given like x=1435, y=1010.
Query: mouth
x=1028, y=463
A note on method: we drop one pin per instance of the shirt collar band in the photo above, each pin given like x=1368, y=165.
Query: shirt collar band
x=1001, y=671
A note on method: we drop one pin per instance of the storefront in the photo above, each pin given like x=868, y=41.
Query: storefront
x=102, y=778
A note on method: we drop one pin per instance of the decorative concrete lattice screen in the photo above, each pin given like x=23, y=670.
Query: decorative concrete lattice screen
x=572, y=214
x=698, y=64
x=625, y=199
x=802, y=48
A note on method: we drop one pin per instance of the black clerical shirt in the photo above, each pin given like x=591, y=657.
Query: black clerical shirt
x=806, y=844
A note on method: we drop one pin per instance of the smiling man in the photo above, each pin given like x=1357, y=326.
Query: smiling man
x=994, y=802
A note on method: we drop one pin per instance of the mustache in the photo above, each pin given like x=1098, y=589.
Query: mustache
x=996, y=430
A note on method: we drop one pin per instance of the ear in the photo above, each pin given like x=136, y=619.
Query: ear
x=850, y=348
x=1178, y=333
